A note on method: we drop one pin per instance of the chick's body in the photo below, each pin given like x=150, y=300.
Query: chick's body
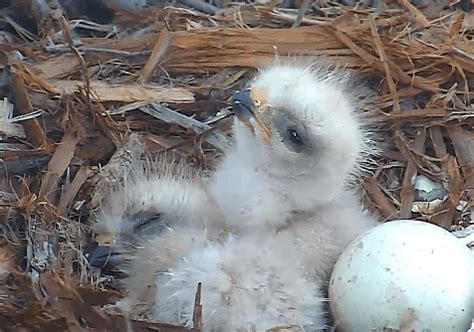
x=249, y=283
x=260, y=280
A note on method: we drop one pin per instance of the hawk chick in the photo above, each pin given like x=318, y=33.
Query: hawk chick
x=300, y=138
x=160, y=213
x=284, y=189
x=282, y=195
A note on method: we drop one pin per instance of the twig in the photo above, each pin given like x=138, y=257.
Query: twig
x=66, y=49
x=420, y=17
x=167, y=115
x=200, y=6
x=379, y=199
x=290, y=17
x=218, y=117
x=407, y=194
x=70, y=41
x=13, y=146
x=22, y=32
x=67, y=197
x=23, y=165
x=89, y=25
x=162, y=46
x=58, y=165
x=384, y=61
x=197, y=313
x=129, y=107
x=33, y=129
x=462, y=52
x=301, y=13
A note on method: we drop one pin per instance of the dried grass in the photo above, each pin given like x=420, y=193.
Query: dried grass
x=83, y=87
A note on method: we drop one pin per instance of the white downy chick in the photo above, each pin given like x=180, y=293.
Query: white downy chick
x=161, y=212
x=261, y=280
x=249, y=283
x=301, y=137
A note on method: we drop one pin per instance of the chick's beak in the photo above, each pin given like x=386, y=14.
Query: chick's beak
x=247, y=112
x=242, y=105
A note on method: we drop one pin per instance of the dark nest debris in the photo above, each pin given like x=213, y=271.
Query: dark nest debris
x=78, y=77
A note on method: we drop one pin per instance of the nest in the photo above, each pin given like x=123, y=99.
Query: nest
x=75, y=89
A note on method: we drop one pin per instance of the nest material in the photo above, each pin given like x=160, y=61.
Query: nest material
x=79, y=88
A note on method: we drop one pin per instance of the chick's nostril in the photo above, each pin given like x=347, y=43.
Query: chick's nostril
x=242, y=105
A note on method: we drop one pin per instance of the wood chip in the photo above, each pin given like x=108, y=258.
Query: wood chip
x=127, y=93
x=34, y=132
x=162, y=46
x=58, y=164
x=407, y=193
x=379, y=199
x=71, y=191
x=58, y=67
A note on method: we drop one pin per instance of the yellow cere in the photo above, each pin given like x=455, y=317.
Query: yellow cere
x=259, y=97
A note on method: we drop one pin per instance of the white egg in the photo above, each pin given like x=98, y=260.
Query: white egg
x=405, y=275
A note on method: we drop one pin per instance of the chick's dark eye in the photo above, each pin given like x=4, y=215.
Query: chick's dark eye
x=294, y=137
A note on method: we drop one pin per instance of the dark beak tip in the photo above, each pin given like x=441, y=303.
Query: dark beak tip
x=242, y=105
x=102, y=256
x=241, y=96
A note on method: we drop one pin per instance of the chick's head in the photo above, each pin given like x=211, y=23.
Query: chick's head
x=305, y=125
